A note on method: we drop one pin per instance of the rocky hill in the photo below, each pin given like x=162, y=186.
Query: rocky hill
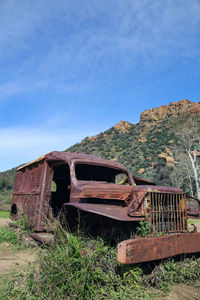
x=145, y=148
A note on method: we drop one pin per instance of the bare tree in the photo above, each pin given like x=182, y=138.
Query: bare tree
x=187, y=157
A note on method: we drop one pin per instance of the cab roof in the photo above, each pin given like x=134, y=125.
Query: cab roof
x=68, y=157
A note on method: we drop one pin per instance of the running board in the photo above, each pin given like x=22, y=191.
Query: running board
x=43, y=237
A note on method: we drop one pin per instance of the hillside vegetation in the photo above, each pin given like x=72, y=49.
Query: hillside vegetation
x=7, y=180
x=146, y=148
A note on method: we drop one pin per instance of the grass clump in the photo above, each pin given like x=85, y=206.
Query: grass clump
x=81, y=268
x=4, y=214
x=170, y=272
x=8, y=235
x=17, y=234
x=77, y=267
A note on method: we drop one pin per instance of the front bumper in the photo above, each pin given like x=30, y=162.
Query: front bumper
x=155, y=248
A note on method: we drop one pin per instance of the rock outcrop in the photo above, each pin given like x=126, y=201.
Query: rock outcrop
x=168, y=156
x=174, y=109
x=123, y=126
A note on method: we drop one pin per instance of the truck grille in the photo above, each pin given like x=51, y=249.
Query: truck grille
x=168, y=212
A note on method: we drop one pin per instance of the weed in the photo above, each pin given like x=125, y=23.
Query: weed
x=157, y=234
x=23, y=222
x=144, y=229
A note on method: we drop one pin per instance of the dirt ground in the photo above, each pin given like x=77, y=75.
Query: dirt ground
x=4, y=221
x=184, y=292
x=11, y=259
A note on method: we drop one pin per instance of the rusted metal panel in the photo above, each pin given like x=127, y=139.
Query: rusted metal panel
x=193, y=207
x=41, y=210
x=111, y=211
x=105, y=191
x=27, y=192
x=41, y=158
x=156, y=248
x=142, y=181
x=43, y=237
x=156, y=188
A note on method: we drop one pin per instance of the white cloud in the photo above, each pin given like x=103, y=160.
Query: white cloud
x=68, y=43
x=20, y=145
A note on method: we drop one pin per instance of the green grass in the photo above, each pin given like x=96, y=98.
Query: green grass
x=4, y=214
x=195, y=221
x=8, y=235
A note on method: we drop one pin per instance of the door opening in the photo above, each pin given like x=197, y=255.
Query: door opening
x=60, y=188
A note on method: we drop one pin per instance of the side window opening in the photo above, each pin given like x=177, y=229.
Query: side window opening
x=53, y=186
x=14, y=209
x=122, y=178
x=60, y=187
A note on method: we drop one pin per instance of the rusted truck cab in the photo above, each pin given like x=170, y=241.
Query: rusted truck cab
x=81, y=181
x=67, y=182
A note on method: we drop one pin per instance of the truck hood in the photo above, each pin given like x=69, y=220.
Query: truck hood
x=133, y=208
x=155, y=188
x=120, y=192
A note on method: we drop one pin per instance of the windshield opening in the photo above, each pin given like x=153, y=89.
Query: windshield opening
x=100, y=173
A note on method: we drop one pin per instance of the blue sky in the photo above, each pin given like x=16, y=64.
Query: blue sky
x=71, y=69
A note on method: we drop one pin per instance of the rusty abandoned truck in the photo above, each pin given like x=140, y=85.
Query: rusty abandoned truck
x=105, y=192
